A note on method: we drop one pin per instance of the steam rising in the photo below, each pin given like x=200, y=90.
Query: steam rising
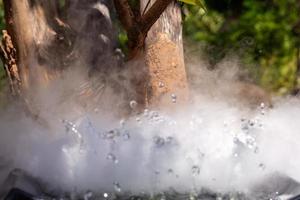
x=211, y=144
x=90, y=145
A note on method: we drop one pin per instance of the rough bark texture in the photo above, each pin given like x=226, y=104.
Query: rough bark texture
x=138, y=24
x=167, y=81
x=30, y=23
x=48, y=42
x=9, y=59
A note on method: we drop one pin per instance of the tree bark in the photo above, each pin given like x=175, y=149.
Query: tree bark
x=30, y=25
x=167, y=81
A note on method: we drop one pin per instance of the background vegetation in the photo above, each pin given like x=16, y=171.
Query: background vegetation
x=264, y=34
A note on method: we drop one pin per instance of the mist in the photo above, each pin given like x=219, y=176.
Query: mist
x=92, y=138
x=216, y=143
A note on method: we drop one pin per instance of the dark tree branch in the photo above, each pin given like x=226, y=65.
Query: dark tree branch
x=126, y=15
x=153, y=14
x=138, y=26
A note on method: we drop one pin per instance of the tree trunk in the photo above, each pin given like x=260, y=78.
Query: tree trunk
x=167, y=81
x=45, y=46
x=29, y=24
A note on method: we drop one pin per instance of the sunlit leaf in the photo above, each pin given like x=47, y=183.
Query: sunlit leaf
x=191, y=2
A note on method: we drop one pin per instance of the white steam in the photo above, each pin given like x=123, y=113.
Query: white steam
x=211, y=144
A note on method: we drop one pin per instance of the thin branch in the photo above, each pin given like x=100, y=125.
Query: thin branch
x=153, y=14
x=126, y=15
x=146, y=7
x=138, y=26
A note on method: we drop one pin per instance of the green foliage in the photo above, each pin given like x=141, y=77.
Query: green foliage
x=261, y=32
x=199, y=3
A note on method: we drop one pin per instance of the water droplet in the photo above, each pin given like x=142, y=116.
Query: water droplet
x=159, y=141
x=88, y=195
x=195, y=170
x=251, y=122
x=170, y=171
x=112, y=158
x=169, y=140
x=111, y=134
x=133, y=104
x=105, y=195
x=236, y=140
x=126, y=136
x=138, y=119
x=174, y=98
x=146, y=113
x=245, y=127
x=161, y=85
x=250, y=142
x=156, y=172
x=262, y=166
x=192, y=197
x=163, y=197
x=117, y=187
x=122, y=123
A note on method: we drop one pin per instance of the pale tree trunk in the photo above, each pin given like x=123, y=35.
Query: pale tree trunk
x=29, y=24
x=167, y=81
x=39, y=46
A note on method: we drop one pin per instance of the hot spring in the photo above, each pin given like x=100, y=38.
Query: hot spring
x=207, y=150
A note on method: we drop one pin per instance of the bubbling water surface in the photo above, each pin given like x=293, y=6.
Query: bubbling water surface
x=211, y=149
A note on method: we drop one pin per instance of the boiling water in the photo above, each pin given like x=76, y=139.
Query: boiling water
x=210, y=149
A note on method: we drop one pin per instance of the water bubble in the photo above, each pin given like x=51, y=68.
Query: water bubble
x=192, y=197
x=146, y=113
x=87, y=195
x=195, y=170
x=251, y=122
x=105, y=195
x=133, y=104
x=138, y=119
x=174, y=98
x=156, y=172
x=159, y=141
x=122, y=123
x=117, y=187
x=70, y=126
x=250, y=142
x=161, y=85
x=163, y=197
x=236, y=140
x=126, y=136
x=262, y=166
x=170, y=171
x=169, y=140
x=256, y=150
x=112, y=158
x=245, y=127
x=111, y=134
x=262, y=105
